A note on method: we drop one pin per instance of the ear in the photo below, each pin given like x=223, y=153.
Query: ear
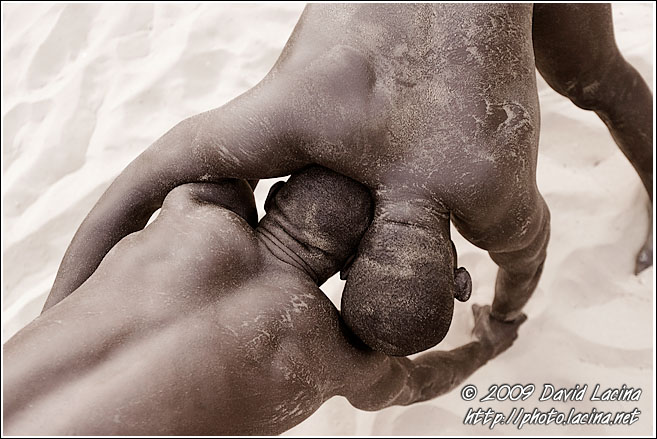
x=272, y=193
x=462, y=284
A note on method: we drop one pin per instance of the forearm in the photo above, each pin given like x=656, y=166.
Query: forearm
x=513, y=291
x=118, y=213
x=234, y=141
x=436, y=373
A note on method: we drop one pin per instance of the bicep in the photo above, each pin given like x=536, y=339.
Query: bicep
x=244, y=139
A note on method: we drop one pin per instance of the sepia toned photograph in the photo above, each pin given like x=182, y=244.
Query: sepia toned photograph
x=328, y=219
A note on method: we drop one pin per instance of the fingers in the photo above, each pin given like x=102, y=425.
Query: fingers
x=481, y=316
x=515, y=324
x=478, y=311
x=498, y=335
x=520, y=320
x=399, y=295
x=485, y=322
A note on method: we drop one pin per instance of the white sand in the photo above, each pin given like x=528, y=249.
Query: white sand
x=88, y=87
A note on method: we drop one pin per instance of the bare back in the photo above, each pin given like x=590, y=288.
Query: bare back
x=427, y=102
x=193, y=316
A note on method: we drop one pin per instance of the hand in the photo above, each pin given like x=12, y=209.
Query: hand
x=496, y=335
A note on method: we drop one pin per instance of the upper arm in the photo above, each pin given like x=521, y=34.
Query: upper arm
x=320, y=343
x=379, y=381
x=370, y=380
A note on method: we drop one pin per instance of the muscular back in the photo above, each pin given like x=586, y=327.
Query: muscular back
x=425, y=99
x=188, y=327
x=434, y=108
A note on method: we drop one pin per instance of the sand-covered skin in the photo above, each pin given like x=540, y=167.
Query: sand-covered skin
x=87, y=87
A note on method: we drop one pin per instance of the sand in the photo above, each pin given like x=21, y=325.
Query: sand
x=87, y=87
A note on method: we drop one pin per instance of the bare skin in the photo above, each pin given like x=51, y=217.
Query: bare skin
x=433, y=107
x=580, y=60
x=201, y=325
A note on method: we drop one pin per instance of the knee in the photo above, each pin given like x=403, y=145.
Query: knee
x=595, y=88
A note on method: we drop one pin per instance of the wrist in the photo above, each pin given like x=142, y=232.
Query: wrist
x=505, y=317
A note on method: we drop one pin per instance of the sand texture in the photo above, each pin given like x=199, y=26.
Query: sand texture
x=87, y=87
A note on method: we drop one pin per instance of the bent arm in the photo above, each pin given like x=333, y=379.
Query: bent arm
x=436, y=373
x=247, y=138
x=401, y=381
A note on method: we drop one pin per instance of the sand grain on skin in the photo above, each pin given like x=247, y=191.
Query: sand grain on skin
x=86, y=88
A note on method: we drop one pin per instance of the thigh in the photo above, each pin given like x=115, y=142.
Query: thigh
x=572, y=41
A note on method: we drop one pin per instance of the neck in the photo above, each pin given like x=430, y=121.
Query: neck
x=311, y=260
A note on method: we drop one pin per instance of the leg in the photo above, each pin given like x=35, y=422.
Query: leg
x=577, y=55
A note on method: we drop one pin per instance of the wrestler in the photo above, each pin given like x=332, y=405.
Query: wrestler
x=434, y=108
x=199, y=324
